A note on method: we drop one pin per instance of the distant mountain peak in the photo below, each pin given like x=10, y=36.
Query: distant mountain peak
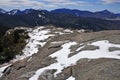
x=2, y=11
x=19, y=12
x=14, y=12
x=105, y=11
x=26, y=11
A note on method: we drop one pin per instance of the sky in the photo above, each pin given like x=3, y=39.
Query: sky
x=90, y=5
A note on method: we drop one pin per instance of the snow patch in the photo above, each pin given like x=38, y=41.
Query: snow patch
x=71, y=78
x=64, y=61
x=2, y=69
x=39, y=16
x=102, y=52
x=68, y=31
x=81, y=31
x=59, y=42
x=60, y=33
x=61, y=57
x=80, y=47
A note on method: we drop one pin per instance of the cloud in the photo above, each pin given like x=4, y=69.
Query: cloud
x=41, y=3
x=67, y=2
x=24, y=3
x=56, y=1
x=110, y=1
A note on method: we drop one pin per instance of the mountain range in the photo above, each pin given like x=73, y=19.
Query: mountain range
x=15, y=12
x=67, y=18
x=105, y=14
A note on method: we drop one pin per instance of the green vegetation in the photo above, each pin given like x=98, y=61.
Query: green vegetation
x=12, y=45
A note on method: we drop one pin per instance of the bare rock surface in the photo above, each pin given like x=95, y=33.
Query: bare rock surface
x=84, y=69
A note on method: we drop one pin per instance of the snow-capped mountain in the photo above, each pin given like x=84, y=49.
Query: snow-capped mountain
x=105, y=14
x=2, y=11
x=79, y=13
x=19, y=12
x=14, y=12
x=62, y=17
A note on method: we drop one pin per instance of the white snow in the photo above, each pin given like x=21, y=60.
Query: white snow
x=60, y=33
x=2, y=69
x=71, y=78
x=82, y=46
x=64, y=61
x=68, y=31
x=37, y=39
x=13, y=12
x=102, y=52
x=81, y=31
x=59, y=42
x=39, y=15
x=61, y=57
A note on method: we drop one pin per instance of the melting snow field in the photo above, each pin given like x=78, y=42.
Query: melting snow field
x=64, y=61
x=61, y=58
x=37, y=38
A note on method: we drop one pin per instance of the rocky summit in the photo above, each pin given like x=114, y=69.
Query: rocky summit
x=53, y=53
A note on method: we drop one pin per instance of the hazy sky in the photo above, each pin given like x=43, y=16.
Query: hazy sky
x=91, y=5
